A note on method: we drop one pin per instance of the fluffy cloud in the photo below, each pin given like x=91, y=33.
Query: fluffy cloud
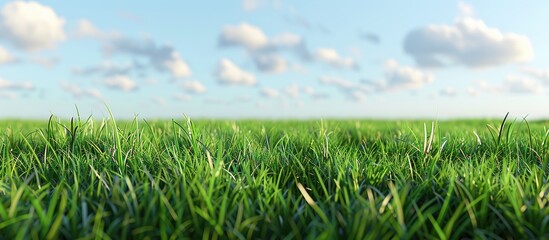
x=332, y=58
x=448, y=91
x=229, y=73
x=31, y=26
x=8, y=95
x=468, y=42
x=79, y=92
x=472, y=92
x=515, y=84
x=107, y=69
x=265, y=51
x=541, y=74
x=245, y=35
x=400, y=77
x=341, y=83
x=9, y=85
x=120, y=82
x=352, y=90
x=292, y=90
x=269, y=92
x=270, y=63
x=5, y=56
x=194, y=87
x=85, y=29
x=163, y=57
x=158, y=101
x=45, y=61
x=465, y=9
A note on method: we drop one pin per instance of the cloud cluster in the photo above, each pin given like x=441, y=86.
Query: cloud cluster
x=468, y=42
x=541, y=74
x=86, y=29
x=108, y=69
x=162, y=57
x=292, y=91
x=193, y=87
x=31, y=26
x=269, y=92
x=404, y=78
x=120, y=82
x=264, y=51
x=5, y=56
x=352, y=90
x=9, y=85
x=331, y=57
x=230, y=74
x=517, y=84
x=511, y=84
x=79, y=92
x=448, y=92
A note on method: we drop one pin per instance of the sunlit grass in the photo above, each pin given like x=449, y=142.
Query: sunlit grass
x=337, y=179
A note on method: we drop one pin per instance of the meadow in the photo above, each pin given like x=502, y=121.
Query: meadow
x=258, y=179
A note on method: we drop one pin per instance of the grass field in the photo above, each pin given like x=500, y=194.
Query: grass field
x=332, y=179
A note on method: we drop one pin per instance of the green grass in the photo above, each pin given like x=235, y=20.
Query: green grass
x=335, y=179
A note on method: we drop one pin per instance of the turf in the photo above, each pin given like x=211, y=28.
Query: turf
x=332, y=179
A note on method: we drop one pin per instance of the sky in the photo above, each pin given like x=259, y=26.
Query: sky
x=274, y=59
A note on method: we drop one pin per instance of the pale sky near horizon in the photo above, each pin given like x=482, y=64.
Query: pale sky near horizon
x=274, y=59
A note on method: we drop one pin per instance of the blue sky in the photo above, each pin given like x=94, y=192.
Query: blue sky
x=274, y=59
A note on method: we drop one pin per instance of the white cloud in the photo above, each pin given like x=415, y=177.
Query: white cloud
x=120, y=82
x=448, y=92
x=485, y=86
x=271, y=63
x=31, y=26
x=177, y=66
x=292, y=90
x=308, y=90
x=265, y=51
x=400, y=77
x=286, y=40
x=163, y=57
x=193, y=87
x=183, y=97
x=358, y=96
x=229, y=73
x=107, y=68
x=158, y=101
x=269, y=92
x=8, y=95
x=332, y=58
x=86, y=29
x=473, y=92
x=250, y=5
x=5, y=56
x=337, y=81
x=352, y=90
x=515, y=84
x=245, y=35
x=9, y=85
x=79, y=92
x=541, y=74
x=468, y=42
x=465, y=9
x=45, y=61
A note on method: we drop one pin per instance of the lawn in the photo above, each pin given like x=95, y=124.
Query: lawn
x=259, y=179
